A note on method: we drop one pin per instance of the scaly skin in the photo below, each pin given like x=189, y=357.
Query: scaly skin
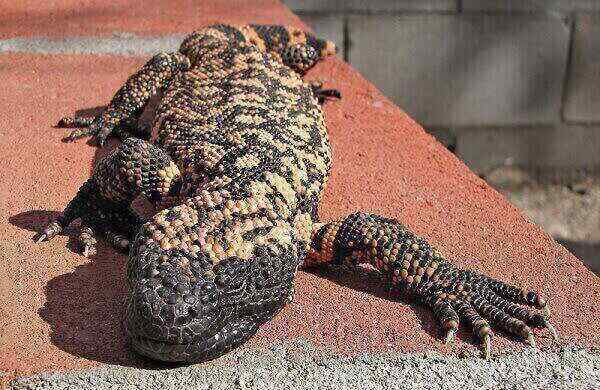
x=236, y=165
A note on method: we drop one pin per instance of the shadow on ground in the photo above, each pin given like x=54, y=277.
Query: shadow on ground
x=85, y=307
x=370, y=281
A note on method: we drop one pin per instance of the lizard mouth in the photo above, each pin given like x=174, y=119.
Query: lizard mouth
x=157, y=349
x=160, y=350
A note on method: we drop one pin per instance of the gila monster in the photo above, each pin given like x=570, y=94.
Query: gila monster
x=235, y=165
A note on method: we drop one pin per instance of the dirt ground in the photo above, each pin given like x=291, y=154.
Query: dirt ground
x=565, y=204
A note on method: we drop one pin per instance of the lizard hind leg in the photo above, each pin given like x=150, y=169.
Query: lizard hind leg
x=418, y=270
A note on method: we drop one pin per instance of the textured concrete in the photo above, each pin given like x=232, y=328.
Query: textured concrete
x=301, y=366
x=60, y=311
x=531, y=5
x=558, y=147
x=583, y=95
x=460, y=70
x=124, y=44
x=371, y=5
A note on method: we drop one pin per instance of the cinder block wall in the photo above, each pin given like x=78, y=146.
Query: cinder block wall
x=500, y=81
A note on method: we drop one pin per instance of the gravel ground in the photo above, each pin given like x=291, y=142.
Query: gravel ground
x=564, y=204
x=298, y=365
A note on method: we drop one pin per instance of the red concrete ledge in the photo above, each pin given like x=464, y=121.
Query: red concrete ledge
x=71, y=18
x=61, y=311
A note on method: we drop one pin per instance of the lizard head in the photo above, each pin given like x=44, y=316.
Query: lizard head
x=304, y=50
x=170, y=312
x=186, y=306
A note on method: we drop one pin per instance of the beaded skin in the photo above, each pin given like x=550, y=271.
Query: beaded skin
x=235, y=165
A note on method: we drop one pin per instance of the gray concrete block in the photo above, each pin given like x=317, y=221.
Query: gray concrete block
x=560, y=147
x=530, y=5
x=463, y=70
x=582, y=103
x=327, y=27
x=370, y=5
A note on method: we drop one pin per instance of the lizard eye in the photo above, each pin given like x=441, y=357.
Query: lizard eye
x=300, y=57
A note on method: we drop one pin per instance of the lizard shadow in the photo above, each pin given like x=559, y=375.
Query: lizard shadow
x=370, y=282
x=85, y=307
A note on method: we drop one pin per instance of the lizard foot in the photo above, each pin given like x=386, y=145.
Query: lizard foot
x=87, y=236
x=88, y=240
x=98, y=128
x=323, y=94
x=481, y=303
x=87, y=126
x=112, y=220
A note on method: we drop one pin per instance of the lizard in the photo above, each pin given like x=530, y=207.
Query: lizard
x=235, y=165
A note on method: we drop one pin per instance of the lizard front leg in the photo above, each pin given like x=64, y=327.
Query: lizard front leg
x=415, y=268
x=103, y=202
x=128, y=103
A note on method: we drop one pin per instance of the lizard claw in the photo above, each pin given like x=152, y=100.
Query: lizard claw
x=487, y=346
x=49, y=232
x=552, y=330
x=88, y=250
x=546, y=310
x=323, y=94
x=531, y=339
x=450, y=336
x=87, y=237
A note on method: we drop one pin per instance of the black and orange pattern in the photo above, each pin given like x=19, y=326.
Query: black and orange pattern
x=235, y=165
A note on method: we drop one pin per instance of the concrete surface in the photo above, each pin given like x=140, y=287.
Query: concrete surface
x=465, y=70
x=582, y=102
x=299, y=365
x=123, y=44
x=63, y=312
